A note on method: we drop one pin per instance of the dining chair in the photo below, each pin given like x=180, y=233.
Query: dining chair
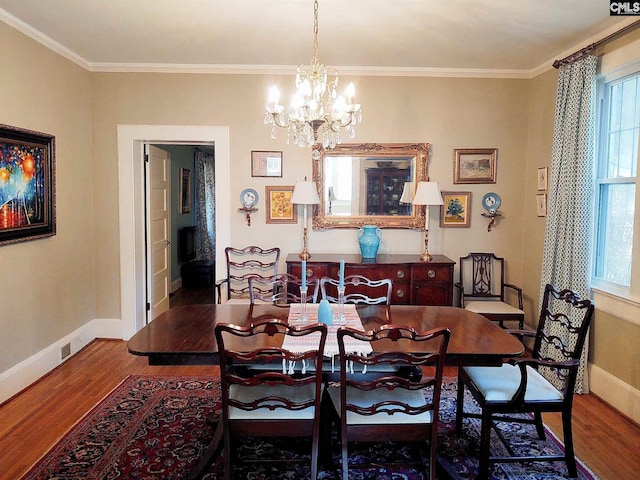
x=358, y=289
x=543, y=383
x=243, y=263
x=270, y=402
x=281, y=289
x=389, y=407
x=483, y=289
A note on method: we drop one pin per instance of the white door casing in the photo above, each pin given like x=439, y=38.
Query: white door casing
x=131, y=206
x=158, y=168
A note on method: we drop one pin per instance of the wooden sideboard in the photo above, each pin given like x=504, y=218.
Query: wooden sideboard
x=414, y=282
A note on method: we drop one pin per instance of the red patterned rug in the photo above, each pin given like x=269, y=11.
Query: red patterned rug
x=153, y=427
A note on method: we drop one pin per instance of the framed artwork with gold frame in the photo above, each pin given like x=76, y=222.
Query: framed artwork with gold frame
x=279, y=206
x=474, y=165
x=456, y=209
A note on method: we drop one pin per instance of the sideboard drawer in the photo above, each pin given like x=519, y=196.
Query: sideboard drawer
x=314, y=270
x=432, y=273
x=399, y=273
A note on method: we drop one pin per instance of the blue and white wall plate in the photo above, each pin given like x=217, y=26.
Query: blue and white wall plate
x=491, y=202
x=249, y=198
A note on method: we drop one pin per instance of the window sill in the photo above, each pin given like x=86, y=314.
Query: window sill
x=617, y=304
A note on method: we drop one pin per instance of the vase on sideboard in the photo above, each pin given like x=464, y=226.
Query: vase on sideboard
x=369, y=237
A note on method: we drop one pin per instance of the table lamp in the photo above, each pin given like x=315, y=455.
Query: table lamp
x=305, y=194
x=331, y=197
x=427, y=194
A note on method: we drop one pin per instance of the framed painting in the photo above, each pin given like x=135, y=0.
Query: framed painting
x=543, y=179
x=27, y=185
x=456, y=209
x=279, y=206
x=541, y=204
x=186, y=197
x=474, y=165
x=266, y=164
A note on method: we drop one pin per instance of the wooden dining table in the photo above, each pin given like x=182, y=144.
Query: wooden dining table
x=184, y=335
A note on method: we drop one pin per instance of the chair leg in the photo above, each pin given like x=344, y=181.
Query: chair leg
x=568, y=444
x=540, y=426
x=459, y=404
x=485, y=445
x=345, y=455
x=314, y=451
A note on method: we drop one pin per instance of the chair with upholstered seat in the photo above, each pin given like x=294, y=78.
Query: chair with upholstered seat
x=483, y=289
x=243, y=263
x=543, y=383
x=358, y=289
x=280, y=399
x=389, y=407
x=281, y=289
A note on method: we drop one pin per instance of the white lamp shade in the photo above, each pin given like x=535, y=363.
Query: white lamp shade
x=305, y=193
x=407, y=192
x=428, y=193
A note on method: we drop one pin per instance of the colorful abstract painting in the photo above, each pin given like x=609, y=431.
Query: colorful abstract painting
x=27, y=207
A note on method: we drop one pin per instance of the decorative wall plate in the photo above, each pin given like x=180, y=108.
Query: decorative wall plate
x=249, y=198
x=491, y=202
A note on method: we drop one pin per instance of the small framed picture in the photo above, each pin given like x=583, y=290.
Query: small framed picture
x=185, y=190
x=543, y=179
x=474, y=165
x=266, y=164
x=456, y=209
x=279, y=206
x=541, y=204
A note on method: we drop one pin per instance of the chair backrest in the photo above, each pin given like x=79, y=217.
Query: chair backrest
x=428, y=349
x=357, y=289
x=242, y=349
x=482, y=276
x=281, y=289
x=243, y=263
x=561, y=334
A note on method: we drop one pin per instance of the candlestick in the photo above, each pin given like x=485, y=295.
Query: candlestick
x=341, y=275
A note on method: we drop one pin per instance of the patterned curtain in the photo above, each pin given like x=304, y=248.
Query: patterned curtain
x=205, y=206
x=567, y=239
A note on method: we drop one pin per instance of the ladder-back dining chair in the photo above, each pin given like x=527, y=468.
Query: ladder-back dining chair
x=389, y=407
x=358, y=289
x=483, y=289
x=243, y=263
x=281, y=289
x=280, y=398
x=543, y=383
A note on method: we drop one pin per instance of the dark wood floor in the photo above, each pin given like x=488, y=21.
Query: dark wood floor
x=34, y=420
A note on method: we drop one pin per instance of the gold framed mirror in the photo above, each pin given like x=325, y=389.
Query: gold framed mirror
x=369, y=184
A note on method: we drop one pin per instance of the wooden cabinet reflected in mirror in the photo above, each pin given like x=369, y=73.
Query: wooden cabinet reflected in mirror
x=361, y=184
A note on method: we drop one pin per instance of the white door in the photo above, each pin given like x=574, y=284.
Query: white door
x=159, y=226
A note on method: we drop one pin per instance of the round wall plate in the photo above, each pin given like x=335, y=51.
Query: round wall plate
x=491, y=201
x=249, y=198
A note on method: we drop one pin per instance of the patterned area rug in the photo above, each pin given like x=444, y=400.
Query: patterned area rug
x=153, y=427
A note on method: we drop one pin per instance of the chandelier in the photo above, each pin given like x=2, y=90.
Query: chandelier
x=317, y=114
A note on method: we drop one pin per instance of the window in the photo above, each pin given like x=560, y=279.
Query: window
x=616, y=170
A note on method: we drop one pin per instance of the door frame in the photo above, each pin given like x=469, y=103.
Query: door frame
x=131, y=139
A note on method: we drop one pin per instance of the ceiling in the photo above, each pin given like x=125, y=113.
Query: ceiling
x=396, y=37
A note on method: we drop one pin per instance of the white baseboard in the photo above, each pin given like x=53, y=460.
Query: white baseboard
x=176, y=285
x=615, y=392
x=23, y=374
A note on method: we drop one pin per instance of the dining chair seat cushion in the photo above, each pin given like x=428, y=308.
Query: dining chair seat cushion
x=482, y=306
x=415, y=398
x=499, y=384
x=249, y=394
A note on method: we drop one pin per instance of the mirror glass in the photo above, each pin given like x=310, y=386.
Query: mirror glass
x=369, y=184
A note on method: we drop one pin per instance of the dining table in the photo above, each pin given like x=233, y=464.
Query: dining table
x=184, y=335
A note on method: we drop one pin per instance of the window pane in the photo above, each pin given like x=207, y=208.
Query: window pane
x=623, y=124
x=615, y=232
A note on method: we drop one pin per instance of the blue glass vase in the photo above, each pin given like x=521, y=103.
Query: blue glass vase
x=369, y=239
x=325, y=313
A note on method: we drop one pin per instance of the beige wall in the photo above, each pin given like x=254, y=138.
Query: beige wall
x=48, y=285
x=55, y=285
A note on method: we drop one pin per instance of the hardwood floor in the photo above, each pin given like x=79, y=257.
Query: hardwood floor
x=34, y=420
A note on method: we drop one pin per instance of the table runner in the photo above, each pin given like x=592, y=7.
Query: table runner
x=302, y=344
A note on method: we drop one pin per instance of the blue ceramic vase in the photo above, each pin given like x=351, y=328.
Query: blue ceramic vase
x=325, y=314
x=369, y=239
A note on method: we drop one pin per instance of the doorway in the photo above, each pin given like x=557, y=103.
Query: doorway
x=131, y=139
